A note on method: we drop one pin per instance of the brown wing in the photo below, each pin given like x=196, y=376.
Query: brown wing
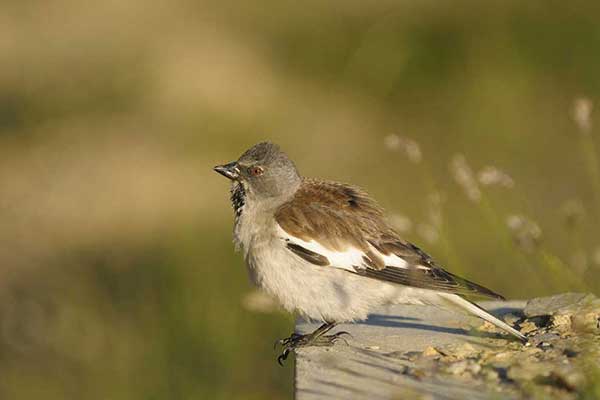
x=334, y=214
x=337, y=219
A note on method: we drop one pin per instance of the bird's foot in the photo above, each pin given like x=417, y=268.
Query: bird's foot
x=296, y=341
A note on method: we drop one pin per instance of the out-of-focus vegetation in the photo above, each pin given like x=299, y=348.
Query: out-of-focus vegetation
x=471, y=123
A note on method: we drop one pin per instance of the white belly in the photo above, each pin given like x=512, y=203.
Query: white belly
x=321, y=293
x=318, y=293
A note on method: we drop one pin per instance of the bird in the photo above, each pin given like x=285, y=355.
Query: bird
x=326, y=251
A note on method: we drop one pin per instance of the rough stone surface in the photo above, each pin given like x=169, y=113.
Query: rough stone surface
x=429, y=353
x=566, y=303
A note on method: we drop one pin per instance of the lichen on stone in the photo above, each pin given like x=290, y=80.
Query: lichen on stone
x=558, y=362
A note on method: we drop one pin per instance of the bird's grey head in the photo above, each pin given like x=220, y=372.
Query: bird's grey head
x=264, y=171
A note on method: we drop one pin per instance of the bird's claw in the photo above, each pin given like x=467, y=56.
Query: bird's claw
x=339, y=335
x=282, y=357
x=285, y=341
x=296, y=341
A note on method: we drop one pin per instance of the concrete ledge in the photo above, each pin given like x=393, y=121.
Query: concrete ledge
x=407, y=352
x=374, y=363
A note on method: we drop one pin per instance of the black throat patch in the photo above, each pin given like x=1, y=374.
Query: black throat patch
x=238, y=198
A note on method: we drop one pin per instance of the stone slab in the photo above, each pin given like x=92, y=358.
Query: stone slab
x=373, y=363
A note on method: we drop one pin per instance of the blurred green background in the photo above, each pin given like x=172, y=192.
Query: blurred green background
x=471, y=122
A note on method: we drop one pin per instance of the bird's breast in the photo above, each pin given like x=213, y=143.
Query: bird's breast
x=253, y=229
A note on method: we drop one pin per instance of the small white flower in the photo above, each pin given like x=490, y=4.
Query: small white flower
x=402, y=223
x=493, y=176
x=514, y=222
x=582, y=113
x=410, y=147
x=434, y=212
x=412, y=150
x=428, y=233
x=464, y=176
x=392, y=142
x=525, y=232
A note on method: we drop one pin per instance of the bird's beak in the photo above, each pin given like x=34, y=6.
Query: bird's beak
x=231, y=170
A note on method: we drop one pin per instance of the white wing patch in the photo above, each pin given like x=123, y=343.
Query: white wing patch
x=350, y=259
x=391, y=260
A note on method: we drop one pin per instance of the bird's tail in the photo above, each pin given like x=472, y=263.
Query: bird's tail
x=481, y=313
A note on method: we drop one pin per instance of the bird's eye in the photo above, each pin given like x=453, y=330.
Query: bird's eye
x=257, y=171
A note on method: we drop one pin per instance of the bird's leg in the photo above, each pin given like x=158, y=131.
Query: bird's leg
x=316, y=338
